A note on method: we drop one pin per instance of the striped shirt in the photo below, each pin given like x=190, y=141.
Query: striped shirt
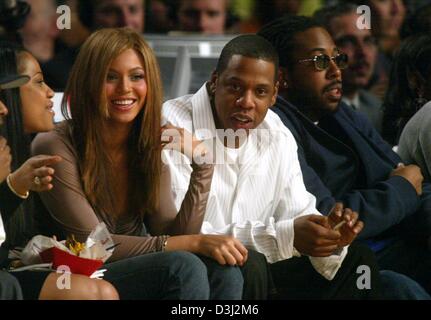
x=256, y=191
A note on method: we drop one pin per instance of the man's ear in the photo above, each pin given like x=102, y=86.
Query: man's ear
x=274, y=97
x=283, y=79
x=213, y=82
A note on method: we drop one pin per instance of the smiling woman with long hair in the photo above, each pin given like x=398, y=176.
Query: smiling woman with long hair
x=29, y=110
x=112, y=172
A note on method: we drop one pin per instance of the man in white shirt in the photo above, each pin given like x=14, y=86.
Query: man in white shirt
x=257, y=192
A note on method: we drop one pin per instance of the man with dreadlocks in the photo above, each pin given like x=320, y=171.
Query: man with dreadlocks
x=342, y=156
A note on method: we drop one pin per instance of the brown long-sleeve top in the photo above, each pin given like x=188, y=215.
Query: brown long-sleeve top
x=70, y=212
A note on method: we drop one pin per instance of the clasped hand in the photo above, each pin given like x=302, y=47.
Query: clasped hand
x=321, y=236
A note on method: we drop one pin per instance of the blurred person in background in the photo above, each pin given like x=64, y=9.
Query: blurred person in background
x=40, y=29
x=419, y=21
x=204, y=16
x=387, y=18
x=98, y=14
x=361, y=49
x=95, y=15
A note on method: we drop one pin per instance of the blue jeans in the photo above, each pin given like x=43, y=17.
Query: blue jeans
x=226, y=282
x=9, y=287
x=173, y=276
x=396, y=286
x=410, y=259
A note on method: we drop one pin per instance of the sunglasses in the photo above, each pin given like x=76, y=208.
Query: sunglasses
x=322, y=61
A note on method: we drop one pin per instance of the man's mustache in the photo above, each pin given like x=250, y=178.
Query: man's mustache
x=333, y=85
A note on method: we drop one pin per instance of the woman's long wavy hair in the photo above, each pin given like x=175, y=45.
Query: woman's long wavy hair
x=85, y=94
x=413, y=61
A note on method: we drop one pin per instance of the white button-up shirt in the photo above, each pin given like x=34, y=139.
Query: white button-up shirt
x=258, y=190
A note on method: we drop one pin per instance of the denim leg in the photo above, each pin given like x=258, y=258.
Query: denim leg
x=161, y=275
x=397, y=286
x=9, y=287
x=226, y=282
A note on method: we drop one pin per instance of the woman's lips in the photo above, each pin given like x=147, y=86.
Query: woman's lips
x=50, y=109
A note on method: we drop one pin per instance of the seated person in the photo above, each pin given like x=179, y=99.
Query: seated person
x=342, y=156
x=408, y=88
x=361, y=49
x=30, y=111
x=415, y=141
x=112, y=172
x=257, y=192
x=9, y=286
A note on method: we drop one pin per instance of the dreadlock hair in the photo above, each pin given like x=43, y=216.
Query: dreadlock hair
x=281, y=34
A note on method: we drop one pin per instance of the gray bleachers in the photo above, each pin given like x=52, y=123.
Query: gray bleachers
x=186, y=61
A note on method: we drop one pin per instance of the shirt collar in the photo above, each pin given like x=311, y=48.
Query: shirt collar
x=203, y=118
x=352, y=102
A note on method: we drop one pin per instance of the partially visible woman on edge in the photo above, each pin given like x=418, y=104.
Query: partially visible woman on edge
x=409, y=86
x=406, y=117
x=112, y=172
x=415, y=141
x=29, y=110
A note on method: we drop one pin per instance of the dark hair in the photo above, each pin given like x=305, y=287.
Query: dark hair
x=414, y=57
x=86, y=12
x=419, y=22
x=267, y=10
x=248, y=45
x=13, y=128
x=19, y=227
x=325, y=15
x=281, y=34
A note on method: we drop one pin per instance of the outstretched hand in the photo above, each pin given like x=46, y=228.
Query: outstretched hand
x=35, y=174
